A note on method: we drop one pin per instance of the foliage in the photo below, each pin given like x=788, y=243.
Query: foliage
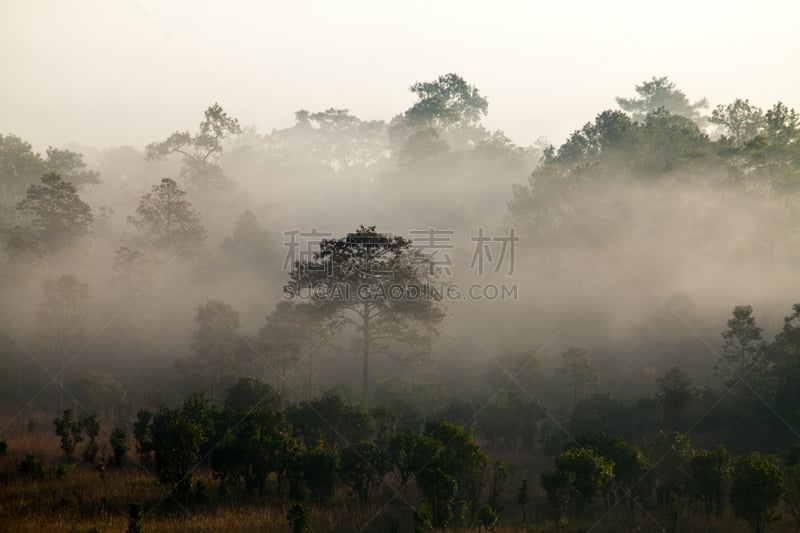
x=756, y=490
x=659, y=93
x=69, y=429
x=250, y=393
x=91, y=426
x=56, y=217
x=353, y=282
x=298, y=517
x=119, y=446
x=202, y=151
x=364, y=466
x=167, y=221
x=488, y=518
x=711, y=478
x=743, y=358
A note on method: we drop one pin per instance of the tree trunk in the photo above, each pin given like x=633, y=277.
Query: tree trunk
x=365, y=351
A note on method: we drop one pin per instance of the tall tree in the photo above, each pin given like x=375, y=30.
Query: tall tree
x=740, y=120
x=378, y=284
x=250, y=245
x=218, y=344
x=61, y=316
x=21, y=167
x=744, y=349
x=166, y=219
x=71, y=166
x=756, y=491
x=448, y=105
x=657, y=93
x=55, y=216
x=202, y=151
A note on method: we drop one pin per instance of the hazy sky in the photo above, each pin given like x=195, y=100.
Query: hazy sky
x=127, y=72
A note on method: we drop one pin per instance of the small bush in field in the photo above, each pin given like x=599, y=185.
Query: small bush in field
x=298, y=517
x=70, y=431
x=31, y=466
x=92, y=428
x=135, y=517
x=118, y=445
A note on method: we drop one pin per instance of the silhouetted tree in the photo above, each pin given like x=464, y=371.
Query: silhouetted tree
x=661, y=93
x=167, y=221
x=379, y=285
x=756, y=491
x=202, y=151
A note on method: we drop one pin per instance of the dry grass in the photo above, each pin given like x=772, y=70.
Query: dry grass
x=82, y=500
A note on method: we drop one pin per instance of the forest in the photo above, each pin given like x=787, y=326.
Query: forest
x=411, y=324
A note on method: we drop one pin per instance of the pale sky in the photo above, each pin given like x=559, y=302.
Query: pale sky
x=108, y=73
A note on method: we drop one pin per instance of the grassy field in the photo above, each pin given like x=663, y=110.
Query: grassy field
x=83, y=498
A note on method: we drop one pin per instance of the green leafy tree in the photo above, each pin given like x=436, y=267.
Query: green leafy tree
x=740, y=120
x=55, y=216
x=364, y=465
x=354, y=281
x=791, y=477
x=784, y=356
x=254, y=442
x=711, y=478
x=446, y=101
x=91, y=426
x=660, y=92
x=70, y=166
x=331, y=420
x=299, y=516
x=523, y=498
x=409, y=453
x=70, y=431
x=781, y=124
x=178, y=438
x=61, y=315
x=459, y=456
x=499, y=478
x=629, y=466
x=488, y=518
x=119, y=445
x=320, y=472
x=201, y=151
x=670, y=453
x=251, y=393
x=670, y=142
x=756, y=490
x=20, y=167
x=744, y=350
x=582, y=474
x=167, y=221
x=439, y=489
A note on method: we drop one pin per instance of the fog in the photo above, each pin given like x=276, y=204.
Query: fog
x=109, y=74
x=637, y=256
